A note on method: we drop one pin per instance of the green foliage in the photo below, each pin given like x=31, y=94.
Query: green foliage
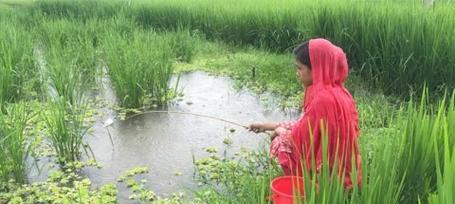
x=66, y=129
x=140, y=68
x=421, y=130
x=182, y=44
x=77, y=9
x=418, y=51
x=70, y=56
x=17, y=70
x=66, y=186
x=15, y=147
x=244, y=178
x=445, y=173
x=140, y=191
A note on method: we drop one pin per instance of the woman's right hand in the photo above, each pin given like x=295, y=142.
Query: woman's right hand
x=257, y=127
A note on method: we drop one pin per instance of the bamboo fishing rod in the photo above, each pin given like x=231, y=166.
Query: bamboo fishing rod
x=187, y=113
x=193, y=114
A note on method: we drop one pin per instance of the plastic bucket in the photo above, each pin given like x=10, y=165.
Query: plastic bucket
x=285, y=188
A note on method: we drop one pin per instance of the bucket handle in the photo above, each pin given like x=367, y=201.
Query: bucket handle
x=271, y=197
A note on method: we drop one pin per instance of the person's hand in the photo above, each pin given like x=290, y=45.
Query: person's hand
x=256, y=127
x=280, y=130
x=273, y=135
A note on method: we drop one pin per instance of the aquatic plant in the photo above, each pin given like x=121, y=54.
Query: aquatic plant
x=66, y=129
x=61, y=186
x=139, y=190
x=70, y=55
x=140, y=68
x=15, y=146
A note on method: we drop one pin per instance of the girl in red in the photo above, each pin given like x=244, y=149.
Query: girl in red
x=327, y=106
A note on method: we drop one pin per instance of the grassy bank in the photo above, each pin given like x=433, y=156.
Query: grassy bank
x=395, y=46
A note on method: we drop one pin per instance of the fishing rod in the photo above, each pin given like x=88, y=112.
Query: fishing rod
x=110, y=121
x=193, y=114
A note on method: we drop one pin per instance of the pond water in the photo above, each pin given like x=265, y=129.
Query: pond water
x=167, y=143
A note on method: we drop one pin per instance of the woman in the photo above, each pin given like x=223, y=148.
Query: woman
x=328, y=111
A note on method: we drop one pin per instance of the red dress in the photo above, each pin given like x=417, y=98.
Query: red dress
x=329, y=111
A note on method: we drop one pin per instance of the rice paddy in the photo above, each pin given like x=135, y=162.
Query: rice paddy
x=53, y=54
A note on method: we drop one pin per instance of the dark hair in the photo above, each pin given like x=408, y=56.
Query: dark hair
x=302, y=54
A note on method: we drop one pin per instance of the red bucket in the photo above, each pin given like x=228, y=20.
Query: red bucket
x=286, y=189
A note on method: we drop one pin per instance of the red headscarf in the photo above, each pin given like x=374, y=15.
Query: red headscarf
x=329, y=107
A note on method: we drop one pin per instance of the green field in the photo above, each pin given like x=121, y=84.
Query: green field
x=402, y=71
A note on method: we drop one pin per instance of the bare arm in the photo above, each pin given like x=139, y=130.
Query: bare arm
x=263, y=126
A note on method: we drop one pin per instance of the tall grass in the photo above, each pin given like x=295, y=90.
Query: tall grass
x=69, y=49
x=15, y=146
x=446, y=175
x=182, y=44
x=387, y=42
x=140, y=67
x=76, y=9
x=71, y=54
x=445, y=164
x=66, y=129
x=17, y=70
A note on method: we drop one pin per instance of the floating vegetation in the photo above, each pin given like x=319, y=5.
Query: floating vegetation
x=140, y=191
x=227, y=141
x=65, y=186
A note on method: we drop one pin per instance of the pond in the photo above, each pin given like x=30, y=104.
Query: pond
x=168, y=143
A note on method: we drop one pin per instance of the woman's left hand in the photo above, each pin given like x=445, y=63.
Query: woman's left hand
x=280, y=130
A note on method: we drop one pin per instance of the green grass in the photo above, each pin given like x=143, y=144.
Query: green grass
x=66, y=128
x=140, y=67
x=182, y=43
x=70, y=49
x=445, y=173
x=15, y=145
x=77, y=9
x=17, y=70
x=419, y=50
